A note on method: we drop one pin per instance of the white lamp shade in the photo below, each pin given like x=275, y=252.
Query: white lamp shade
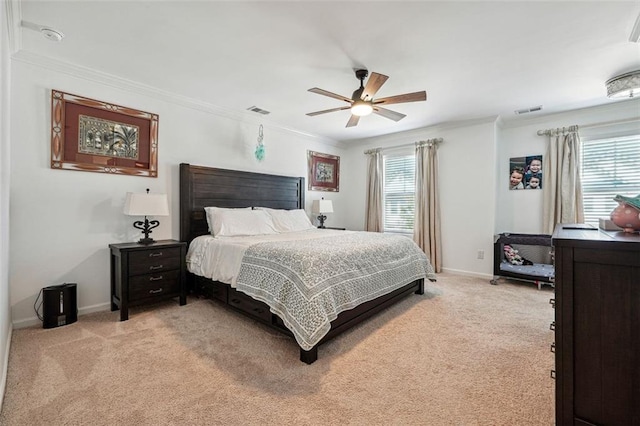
x=146, y=205
x=322, y=206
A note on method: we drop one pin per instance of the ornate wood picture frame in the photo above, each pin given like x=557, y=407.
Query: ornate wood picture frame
x=324, y=171
x=94, y=136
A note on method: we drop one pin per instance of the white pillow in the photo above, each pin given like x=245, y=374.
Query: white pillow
x=289, y=220
x=209, y=212
x=237, y=222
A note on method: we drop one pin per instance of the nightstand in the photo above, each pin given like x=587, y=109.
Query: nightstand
x=143, y=274
x=330, y=227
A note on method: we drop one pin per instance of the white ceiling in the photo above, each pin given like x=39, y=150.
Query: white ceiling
x=474, y=59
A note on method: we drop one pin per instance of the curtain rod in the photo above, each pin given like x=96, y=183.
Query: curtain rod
x=434, y=140
x=588, y=126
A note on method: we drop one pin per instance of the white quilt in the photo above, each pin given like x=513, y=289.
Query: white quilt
x=309, y=278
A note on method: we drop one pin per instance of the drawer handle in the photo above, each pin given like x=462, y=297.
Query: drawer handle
x=155, y=254
x=156, y=291
x=258, y=310
x=156, y=278
x=552, y=302
x=553, y=374
x=236, y=301
x=552, y=326
x=153, y=268
x=553, y=347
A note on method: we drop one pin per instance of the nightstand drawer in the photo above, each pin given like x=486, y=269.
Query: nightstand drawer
x=154, y=285
x=154, y=254
x=141, y=263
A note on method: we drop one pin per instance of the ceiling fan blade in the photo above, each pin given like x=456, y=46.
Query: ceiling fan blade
x=353, y=121
x=374, y=84
x=311, y=114
x=387, y=113
x=329, y=94
x=399, y=99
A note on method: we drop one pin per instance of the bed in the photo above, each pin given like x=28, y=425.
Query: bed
x=205, y=187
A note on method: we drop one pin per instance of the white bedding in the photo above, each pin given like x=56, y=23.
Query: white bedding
x=219, y=258
x=308, y=283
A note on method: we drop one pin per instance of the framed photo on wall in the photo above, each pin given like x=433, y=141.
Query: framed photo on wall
x=324, y=171
x=95, y=136
x=525, y=172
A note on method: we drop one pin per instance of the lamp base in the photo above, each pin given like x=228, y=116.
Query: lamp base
x=146, y=241
x=321, y=219
x=146, y=228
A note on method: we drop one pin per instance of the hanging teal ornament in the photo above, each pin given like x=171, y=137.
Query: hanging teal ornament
x=260, y=151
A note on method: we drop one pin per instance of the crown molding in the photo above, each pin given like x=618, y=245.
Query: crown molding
x=419, y=133
x=131, y=86
x=611, y=106
x=13, y=19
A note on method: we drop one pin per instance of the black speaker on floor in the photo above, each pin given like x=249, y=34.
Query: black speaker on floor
x=59, y=305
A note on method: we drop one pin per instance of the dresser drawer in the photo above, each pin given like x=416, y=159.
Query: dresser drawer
x=154, y=285
x=249, y=305
x=151, y=261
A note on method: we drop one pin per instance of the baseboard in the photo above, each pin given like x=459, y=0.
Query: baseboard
x=29, y=322
x=5, y=367
x=468, y=273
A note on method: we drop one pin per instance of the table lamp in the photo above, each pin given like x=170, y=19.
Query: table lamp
x=146, y=205
x=321, y=207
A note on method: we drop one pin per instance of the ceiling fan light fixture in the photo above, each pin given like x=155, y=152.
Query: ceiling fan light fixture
x=361, y=108
x=624, y=86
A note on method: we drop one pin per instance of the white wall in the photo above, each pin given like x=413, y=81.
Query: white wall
x=467, y=176
x=521, y=211
x=63, y=221
x=5, y=91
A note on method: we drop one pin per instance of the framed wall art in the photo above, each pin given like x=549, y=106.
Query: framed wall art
x=324, y=171
x=94, y=136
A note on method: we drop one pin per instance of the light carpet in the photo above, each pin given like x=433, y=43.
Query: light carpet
x=464, y=353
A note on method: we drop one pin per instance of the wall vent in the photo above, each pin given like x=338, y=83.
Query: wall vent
x=528, y=110
x=258, y=110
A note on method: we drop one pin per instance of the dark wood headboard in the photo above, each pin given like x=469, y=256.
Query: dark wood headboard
x=202, y=187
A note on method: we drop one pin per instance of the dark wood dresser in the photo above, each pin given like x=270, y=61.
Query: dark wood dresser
x=142, y=274
x=597, y=327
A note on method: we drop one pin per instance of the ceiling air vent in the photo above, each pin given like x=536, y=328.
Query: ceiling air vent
x=258, y=110
x=528, y=110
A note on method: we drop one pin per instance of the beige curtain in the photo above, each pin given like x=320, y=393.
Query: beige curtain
x=373, y=214
x=561, y=182
x=426, y=229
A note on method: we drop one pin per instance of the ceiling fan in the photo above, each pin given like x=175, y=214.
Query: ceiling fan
x=362, y=102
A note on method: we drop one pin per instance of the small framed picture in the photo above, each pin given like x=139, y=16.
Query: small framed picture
x=95, y=136
x=525, y=172
x=324, y=171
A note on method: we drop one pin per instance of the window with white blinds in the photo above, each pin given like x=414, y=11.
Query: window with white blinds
x=399, y=193
x=609, y=167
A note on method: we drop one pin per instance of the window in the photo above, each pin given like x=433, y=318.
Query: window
x=399, y=193
x=609, y=167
